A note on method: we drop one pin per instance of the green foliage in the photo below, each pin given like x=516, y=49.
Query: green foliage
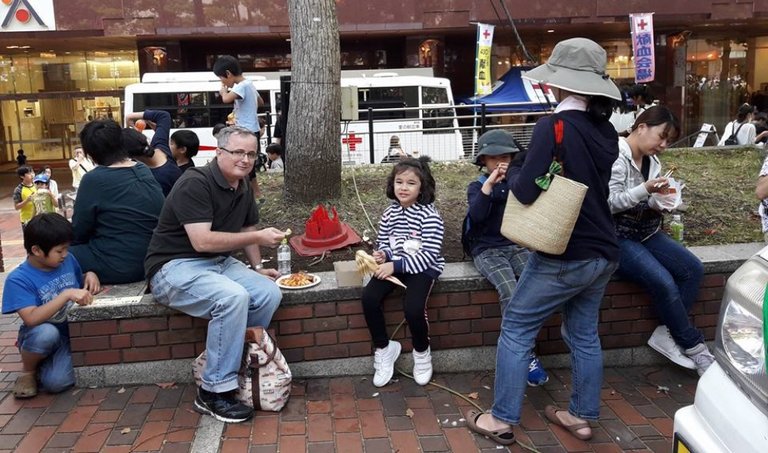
x=719, y=194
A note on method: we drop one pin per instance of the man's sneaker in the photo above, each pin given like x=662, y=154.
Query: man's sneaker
x=701, y=356
x=664, y=344
x=384, y=363
x=222, y=406
x=422, y=366
x=536, y=374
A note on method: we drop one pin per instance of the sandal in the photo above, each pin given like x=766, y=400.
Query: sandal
x=551, y=413
x=25, y=386
x=501, y=437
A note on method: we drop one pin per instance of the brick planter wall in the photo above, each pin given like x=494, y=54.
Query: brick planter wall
x=335, y=329
x=173, y=336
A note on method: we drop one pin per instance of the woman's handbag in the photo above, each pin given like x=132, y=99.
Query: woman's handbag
x=264, y=377
x=546, y=224
x=637, y=223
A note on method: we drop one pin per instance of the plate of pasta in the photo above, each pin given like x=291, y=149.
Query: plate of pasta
x=298, y=280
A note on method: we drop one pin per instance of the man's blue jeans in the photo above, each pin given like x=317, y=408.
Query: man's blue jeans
x=55, y=372
x=545, y=286
x=500, y=265
x=232, y=296
x=672, y=275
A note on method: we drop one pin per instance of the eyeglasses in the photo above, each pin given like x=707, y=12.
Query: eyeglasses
x=239, y=154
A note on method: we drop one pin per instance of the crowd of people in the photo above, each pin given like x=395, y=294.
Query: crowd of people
x=146, y=206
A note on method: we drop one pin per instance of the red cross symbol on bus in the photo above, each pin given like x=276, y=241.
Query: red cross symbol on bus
x=642, y=24
x=486, y=34
x=352, y=140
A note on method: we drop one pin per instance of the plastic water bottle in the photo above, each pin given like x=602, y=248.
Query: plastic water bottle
x=676, y=228
x=284, y=258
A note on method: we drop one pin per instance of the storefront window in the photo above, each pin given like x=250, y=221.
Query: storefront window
x=47, y=97
x=621, y=64
x=715, y=81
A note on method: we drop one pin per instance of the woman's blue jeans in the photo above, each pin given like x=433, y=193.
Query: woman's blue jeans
x=232, y=296
x=545, y=286
x=672, y=275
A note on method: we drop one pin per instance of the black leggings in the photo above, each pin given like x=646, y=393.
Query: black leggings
x=414, y=306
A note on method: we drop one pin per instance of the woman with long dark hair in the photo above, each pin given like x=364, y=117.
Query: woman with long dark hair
x=671, y=274
x=741, y=128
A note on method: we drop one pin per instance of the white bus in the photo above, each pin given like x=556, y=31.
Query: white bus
x=408, y=103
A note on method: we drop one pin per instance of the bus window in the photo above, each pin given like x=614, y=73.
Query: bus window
x=186, y=109
x=443, y=119
x=443, y=116
x=434, y=95
x=388, y=98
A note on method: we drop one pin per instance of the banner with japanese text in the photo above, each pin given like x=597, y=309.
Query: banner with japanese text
x=643, y=47
x=483, y=80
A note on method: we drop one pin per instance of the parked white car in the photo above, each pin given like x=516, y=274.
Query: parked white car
x=730, y=410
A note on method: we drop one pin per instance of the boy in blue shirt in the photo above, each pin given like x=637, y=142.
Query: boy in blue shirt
x=41, y=290
x=237, y=89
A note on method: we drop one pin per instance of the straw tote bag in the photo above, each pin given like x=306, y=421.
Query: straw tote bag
x=546, y=224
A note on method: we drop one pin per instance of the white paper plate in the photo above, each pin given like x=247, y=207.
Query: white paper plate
x=315, y=278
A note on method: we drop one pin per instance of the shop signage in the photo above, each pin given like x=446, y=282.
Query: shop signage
x=27, y=15
x=483, y=79
x=643, y=47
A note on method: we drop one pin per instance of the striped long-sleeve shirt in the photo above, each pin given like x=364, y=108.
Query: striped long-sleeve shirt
x=412, y=238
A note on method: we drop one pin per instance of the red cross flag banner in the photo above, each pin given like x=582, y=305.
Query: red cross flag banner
x=483, y=82
x=642, y=44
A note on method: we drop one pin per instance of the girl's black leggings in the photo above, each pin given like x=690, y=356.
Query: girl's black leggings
x=414, y=307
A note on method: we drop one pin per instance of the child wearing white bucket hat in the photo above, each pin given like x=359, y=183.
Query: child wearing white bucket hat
x=574, y=282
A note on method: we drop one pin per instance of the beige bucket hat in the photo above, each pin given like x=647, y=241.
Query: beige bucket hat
x=576, y=65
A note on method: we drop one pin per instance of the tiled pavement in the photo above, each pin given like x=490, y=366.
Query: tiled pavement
x=345, y=414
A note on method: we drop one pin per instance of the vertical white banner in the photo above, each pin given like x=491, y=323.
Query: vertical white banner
x=483, y=80
x=643, y=47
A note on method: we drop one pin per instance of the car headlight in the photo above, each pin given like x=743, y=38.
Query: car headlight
x=739, y=345
x=743, y=339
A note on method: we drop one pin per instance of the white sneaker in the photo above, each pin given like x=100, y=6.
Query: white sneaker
x=664, y=344
x=700, y=356
x=384, y=363
x=422, y=366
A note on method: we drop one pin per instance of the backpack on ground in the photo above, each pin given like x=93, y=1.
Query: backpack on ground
x=733, y=140
x=468, y=235
x=264, y=379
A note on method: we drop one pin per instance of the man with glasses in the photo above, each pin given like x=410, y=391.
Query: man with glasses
x=210, y=213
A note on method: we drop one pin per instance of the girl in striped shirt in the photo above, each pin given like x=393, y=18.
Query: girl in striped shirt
x=409, y=242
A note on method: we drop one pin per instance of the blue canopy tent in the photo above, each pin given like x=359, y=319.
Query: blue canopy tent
x=511, y=88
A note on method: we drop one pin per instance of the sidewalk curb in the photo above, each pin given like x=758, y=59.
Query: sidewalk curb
x=445, y=361
x=207, y=435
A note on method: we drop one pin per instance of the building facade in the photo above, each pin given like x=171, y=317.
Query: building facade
x=64, y=62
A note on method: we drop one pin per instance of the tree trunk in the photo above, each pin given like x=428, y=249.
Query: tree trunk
x=312, y=145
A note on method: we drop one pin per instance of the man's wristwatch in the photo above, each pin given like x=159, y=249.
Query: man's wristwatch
x=258, y=267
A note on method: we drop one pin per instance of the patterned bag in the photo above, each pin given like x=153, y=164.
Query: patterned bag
x=264, y=377
x=637, y=223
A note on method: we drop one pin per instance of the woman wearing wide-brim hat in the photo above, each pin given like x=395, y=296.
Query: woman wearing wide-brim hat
x=573, y=282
